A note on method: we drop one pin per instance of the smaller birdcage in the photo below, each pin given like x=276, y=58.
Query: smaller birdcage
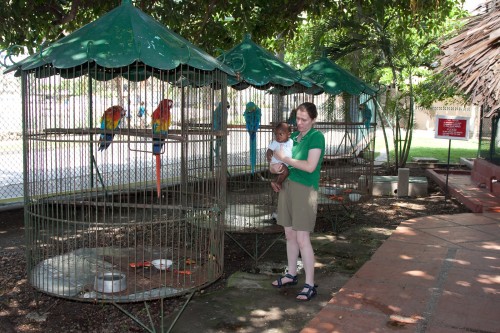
x=489, y=137
x=347, y=118
x=264, y=92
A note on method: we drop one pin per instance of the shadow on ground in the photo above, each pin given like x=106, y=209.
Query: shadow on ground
x=250, y=304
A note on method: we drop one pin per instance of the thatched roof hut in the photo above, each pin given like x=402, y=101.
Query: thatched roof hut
x=472, y=59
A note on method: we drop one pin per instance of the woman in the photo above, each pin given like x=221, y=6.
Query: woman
x=298, y=198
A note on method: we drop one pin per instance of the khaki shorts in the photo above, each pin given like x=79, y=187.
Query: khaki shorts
x=297, y=206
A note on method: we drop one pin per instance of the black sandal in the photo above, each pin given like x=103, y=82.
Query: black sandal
x=310, y=293
x=280, y=284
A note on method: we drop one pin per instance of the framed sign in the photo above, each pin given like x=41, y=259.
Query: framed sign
x=452, y=128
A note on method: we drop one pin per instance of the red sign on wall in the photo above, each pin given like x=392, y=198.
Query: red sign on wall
x=453, y=128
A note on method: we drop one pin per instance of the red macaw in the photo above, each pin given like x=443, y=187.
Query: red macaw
x=110, y=120
x=161, y=120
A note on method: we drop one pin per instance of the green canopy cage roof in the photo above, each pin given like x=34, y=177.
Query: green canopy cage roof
x=257, y=67
x=123, y=37
x=336, y=80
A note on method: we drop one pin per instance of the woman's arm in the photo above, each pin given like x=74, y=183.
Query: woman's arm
x=308, y=165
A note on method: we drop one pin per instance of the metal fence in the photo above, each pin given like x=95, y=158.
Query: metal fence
x=11, y=143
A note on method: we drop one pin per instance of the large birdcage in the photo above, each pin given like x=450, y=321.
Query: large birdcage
x=123, y=195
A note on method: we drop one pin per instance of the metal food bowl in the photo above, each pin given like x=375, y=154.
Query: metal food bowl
x=111, y=282
x=162, y=264
x=354, y=197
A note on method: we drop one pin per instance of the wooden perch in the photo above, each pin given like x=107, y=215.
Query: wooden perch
x=173, y=134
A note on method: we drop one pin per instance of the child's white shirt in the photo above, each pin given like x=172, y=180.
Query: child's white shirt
x=286, y=146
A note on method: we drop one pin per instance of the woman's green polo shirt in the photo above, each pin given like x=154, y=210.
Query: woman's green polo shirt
x=314, y=139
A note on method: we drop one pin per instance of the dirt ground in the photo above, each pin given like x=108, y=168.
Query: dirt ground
x=24, y=310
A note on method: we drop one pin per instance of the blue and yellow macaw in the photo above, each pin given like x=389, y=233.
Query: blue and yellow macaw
x=252, y=116
x=110, y=120
x=161, y=120
x=366, y=114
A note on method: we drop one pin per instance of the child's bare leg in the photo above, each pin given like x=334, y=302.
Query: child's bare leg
x=282, y=176
x=274, y=168
x=276, y=185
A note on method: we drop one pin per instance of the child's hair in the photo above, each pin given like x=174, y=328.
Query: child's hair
x=283, y=126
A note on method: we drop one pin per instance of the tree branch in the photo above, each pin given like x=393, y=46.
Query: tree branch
x=65, y=18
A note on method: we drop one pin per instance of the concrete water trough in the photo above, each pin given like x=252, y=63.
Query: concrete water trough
x=388, y=186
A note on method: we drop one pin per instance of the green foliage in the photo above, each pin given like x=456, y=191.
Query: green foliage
x=45, y=20
x=306, y=29
x=373, y=37
x=213, y=25
x=394, y=43
x=435, y=88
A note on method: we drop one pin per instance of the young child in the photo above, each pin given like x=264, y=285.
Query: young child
x=282, y=140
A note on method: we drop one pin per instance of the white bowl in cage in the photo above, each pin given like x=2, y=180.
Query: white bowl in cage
x=354, y=197
x=162, y=264
x=331, y=190
x=110, y=282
